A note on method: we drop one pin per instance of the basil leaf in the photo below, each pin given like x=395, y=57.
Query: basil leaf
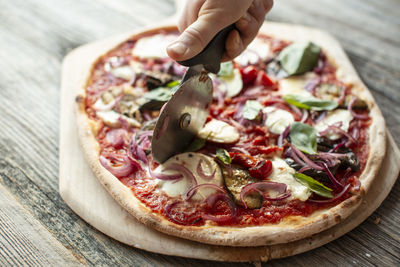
x=251, y=109
x=314, y=185
x=155, y=99
x=226, y=69
x=173, y=84
x=299, y=57
x=303, y=137
x=224, y=156
x=309, y=102
x=197, y=144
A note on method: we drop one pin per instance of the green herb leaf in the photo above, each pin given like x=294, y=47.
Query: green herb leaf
x=299, y=57
x=310, y=102
x=226, y=69
x=223, y=155
x=155, y=99
x=173, y=83
x=303, y=137
x=314, y=185
x=251, y=109
x=197, y=144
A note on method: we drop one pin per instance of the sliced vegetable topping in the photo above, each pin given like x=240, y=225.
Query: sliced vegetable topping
x=251, y=109
x=226, y=69
x=303, y=137
x=314, y=185
x=224, y=156
x=299, y=57
x=262, y=169
x=309, y=102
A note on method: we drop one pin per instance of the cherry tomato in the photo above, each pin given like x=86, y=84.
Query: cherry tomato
x=263, y=79
x=262, y=169
x=249, y=74
x=244, y=160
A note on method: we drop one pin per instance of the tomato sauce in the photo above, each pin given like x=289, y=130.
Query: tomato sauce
x=254, y=137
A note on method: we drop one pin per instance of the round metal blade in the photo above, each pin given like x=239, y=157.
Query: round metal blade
x=182, y=117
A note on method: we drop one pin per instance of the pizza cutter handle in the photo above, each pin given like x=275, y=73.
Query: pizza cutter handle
x=211, y=55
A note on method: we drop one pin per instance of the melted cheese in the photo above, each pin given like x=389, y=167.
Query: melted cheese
x=123, y=72
x=282, y=173
x=153, y=47
x=277, y=119
x=233, y=84
x=257, y=49
x=219, y=132
x=190, y=161
x=296, y=85
x=111, y=118
x=335, y=116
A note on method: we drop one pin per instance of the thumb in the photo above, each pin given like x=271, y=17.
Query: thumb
x=195, y=38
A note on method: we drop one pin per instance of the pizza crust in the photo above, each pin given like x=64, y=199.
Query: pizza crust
x=291, y=228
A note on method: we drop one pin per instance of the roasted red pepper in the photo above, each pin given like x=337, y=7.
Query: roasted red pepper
x=263, y=79
x=241, y=159
x=262, y=169
x=249, y=74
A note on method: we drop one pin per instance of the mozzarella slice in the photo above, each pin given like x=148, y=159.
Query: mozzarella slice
x=109, y=117
x=219, y=132
x=282, y=173
x=123, y=72
x=296, y=85
x=153, y=47
x=233, y=84
x=190, y=161
x=258, y=49
x=339, y=115
x=277, y=119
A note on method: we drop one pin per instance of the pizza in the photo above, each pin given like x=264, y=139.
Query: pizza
x=292, y=142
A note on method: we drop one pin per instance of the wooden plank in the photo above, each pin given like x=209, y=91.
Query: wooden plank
x=36, y=35
x=24, y=242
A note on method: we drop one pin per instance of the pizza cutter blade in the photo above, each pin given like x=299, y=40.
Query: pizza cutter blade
x=184, y=115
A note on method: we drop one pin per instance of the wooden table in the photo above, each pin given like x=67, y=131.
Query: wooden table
x=38, y=228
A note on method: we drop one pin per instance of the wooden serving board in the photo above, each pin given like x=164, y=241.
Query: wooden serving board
x=84, y=194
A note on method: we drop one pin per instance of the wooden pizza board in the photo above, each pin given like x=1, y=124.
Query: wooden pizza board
x=84, y=194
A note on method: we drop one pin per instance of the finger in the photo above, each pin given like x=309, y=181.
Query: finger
x=189, y=13
x=195, y=37
x=248, y=27
x=233, y=46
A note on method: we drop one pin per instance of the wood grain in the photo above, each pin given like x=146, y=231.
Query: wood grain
x=36, y=35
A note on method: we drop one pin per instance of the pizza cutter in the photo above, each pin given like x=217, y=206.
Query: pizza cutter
x=184, y=115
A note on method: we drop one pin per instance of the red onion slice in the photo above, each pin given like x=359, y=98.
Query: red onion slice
x=283, y=136
x=239, y=149
x=165, y=177
x=305, y=116
x=124, y=169
x=353, y=113
x=344, y=191
x=338, y=130
x=212, y=200
x=136, y=151
x=192, y=191
x=308, y=161
x=262, y=186
x=182, y=169
x=334, y=181
x=116, y=137
x=201, y=173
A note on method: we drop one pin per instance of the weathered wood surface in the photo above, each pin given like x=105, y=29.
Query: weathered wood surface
x=36, y=35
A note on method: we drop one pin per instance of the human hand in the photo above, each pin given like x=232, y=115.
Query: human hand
x=201, y=20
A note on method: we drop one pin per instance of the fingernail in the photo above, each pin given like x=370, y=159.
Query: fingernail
x=178, y=48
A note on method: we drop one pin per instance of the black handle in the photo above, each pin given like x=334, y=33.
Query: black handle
x=211, y=55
